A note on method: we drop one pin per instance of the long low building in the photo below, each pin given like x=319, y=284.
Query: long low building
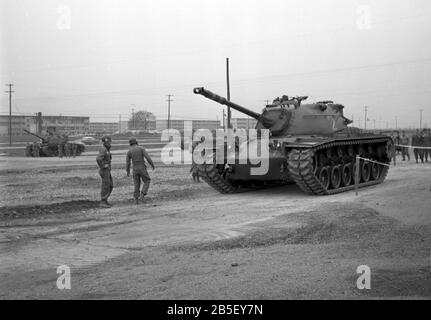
x=188, y=124
x=100, y=128
x=64, y=124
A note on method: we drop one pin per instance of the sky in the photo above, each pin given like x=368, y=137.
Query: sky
x=103, y=58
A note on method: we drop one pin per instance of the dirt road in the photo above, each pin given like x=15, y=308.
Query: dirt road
x=189, y=242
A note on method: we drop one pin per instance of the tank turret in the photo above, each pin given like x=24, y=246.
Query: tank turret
x=289, y=116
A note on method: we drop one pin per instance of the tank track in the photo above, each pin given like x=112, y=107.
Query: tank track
x=302, y=171
x=211, y=175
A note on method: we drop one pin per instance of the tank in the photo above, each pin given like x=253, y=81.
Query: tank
x=311, y=145
x=48, y=145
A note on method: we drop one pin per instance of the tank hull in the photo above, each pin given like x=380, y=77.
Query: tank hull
x=319, y=165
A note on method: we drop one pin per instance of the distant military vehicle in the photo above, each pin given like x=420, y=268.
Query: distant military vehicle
x=310, y=145
x=49, y=144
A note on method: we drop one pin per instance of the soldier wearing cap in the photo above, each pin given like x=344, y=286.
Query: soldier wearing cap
x=104, y=160
x=137, y=155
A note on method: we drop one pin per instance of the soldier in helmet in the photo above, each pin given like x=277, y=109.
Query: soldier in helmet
x=405, y=142
x=194, y=169
x=104, y=159
x=417, y=142
x=68, y=150
x=426, y=144
x=74, y=150
x=137, y=155
x=36, y=149
x=429, y=143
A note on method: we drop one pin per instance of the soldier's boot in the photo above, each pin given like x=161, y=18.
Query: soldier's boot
x=136, y=201
x=142, y=198
x=104, y=204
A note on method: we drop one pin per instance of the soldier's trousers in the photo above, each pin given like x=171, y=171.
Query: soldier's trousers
x=404, y=153
x=141, y=174
x=419, y=154
x=60, y=150
x=107, y=184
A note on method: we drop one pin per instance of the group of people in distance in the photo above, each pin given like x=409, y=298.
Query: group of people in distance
x=420, y=142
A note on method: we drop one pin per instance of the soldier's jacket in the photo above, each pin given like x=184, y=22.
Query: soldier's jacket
x=104, y=158
x=404, y=141
x=138, y=155
x=417, y=140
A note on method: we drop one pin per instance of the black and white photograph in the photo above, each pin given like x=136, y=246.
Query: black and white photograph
x=215, y=154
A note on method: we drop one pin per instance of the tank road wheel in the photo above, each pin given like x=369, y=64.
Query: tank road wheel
x=336, y=177
x=324, y=177
x=366, y=171
x=375, y=171
x=346, y=175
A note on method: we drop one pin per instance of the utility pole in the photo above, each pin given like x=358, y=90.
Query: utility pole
x=119, y=124
x=229, y=112
x=366, y=111
x=420, y=122
x=169, y=109
x=133, y=118
x=267, y=103
x=10, y=85
x=396, y=122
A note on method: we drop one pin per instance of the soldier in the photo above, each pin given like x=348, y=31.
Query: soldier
x=29, y=150
x=429, y=143
x=417, y=141
x=405, y=141
x=138, y=155
x=36, y=149
x=194, y=169
x=68, y=150
x=426, y=144
x=74, y=149
x=60, y=150
x=104, y=162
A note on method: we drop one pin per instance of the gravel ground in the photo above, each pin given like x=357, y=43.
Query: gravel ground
x=189, y=242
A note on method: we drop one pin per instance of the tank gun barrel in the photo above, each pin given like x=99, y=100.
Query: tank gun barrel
x=212, y=96
x=33, y=134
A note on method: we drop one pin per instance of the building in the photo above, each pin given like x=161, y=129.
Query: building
x=60, y=124
x=19, y=124
x=101, y=128
x=66, y=125
x=188, y=124
x=244, y=123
